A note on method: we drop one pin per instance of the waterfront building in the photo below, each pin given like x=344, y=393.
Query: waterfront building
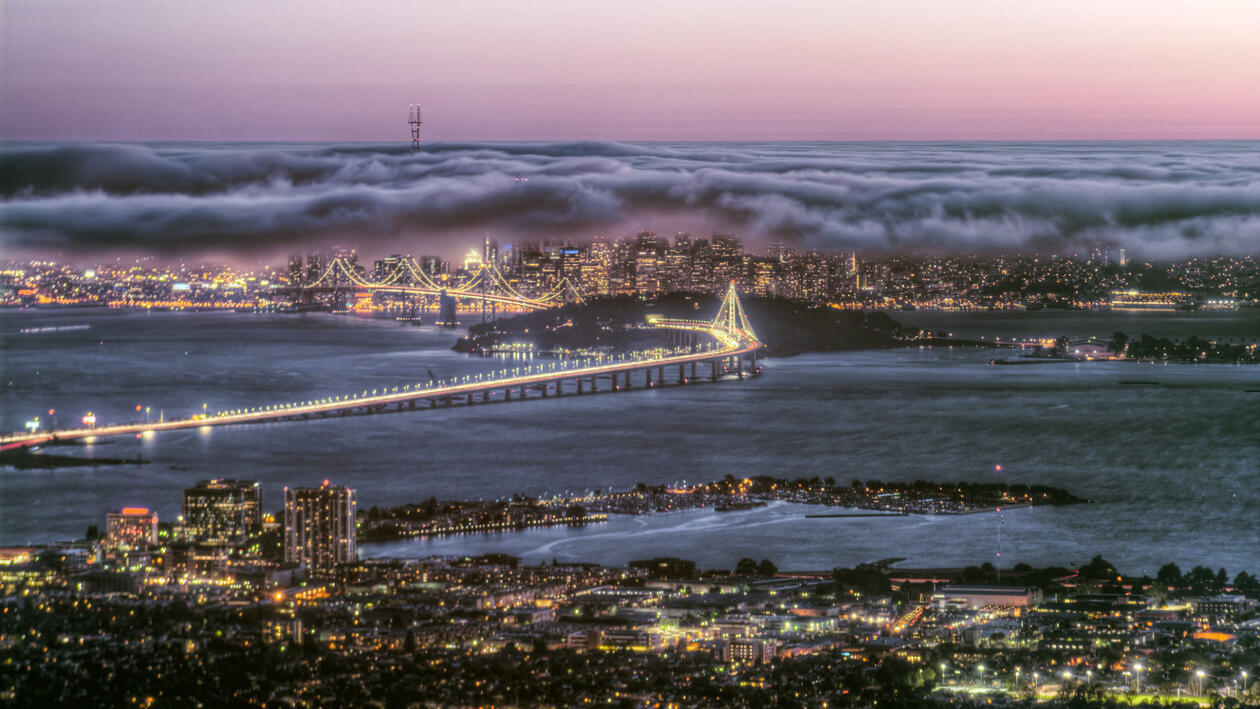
x=222, y=511
x=319, y=527
x=132, y=528
x=975, y=597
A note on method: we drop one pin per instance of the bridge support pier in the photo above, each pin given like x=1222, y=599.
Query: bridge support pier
x=739, y=366
x=693, y=371
x=579, y=383
x=485, y=395
x=714, y=364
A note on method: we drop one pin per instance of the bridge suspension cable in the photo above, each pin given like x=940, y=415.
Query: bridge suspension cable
x=407, y=274
x=731, y=316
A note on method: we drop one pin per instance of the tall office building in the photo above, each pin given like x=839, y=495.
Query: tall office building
x=314, y=266
x=297, y=272
x=383, y=268
x=133, y=528
x=728, y=260
x=319, y=527
x=222, y=512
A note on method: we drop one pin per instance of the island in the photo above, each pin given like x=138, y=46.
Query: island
x=788, y=327
x=874, y=498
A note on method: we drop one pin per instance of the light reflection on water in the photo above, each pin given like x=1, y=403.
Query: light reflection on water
x=1172, y=453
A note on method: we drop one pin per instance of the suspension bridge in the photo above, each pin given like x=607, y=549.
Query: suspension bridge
x=487, y=284
x=732, y=349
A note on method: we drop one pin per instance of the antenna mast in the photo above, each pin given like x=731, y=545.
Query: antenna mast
x=413, y=119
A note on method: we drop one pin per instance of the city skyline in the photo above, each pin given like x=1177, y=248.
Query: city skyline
x=725, y=353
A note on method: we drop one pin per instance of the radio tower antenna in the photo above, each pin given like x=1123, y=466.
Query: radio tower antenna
x=413, y=119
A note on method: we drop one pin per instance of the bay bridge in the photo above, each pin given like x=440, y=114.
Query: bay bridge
x=732, y=349
x=487, y=285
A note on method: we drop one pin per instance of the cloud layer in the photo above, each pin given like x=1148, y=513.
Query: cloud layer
x=1156, y=199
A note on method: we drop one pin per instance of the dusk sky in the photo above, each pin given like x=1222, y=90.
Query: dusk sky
x=644, y=70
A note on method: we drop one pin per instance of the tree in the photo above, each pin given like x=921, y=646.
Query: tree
x=93, y=533
x=1098, y=568
x=1200, y=578
x=746, y=567
x=1222, y=578
x=1247, y=583
x=1119, y=341
x=1169, y=575
x=765, y=568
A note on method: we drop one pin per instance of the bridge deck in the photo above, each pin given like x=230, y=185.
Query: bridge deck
x=730, y=345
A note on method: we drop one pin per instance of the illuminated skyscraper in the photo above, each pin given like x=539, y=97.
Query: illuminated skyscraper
x=297, y=273
x=222, y=511
x=133, y=528
x=319, y=528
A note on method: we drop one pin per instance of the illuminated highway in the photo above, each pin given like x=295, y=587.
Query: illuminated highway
x=733, y=342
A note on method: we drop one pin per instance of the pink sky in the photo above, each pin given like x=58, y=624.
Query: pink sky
x=643, y=70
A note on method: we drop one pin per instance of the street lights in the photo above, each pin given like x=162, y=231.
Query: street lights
x=1199, y=674
x=1138, y=671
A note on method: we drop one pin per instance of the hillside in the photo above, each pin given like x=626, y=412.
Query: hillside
x=787, y=327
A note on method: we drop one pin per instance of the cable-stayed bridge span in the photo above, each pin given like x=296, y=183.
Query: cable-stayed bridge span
x=733, y=349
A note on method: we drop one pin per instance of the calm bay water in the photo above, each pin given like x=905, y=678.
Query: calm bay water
x=1171, y=453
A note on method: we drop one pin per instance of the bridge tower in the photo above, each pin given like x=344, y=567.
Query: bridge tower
x=413, y=120
x=730, y=316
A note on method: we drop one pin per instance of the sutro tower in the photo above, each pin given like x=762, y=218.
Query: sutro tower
x=413, y=119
